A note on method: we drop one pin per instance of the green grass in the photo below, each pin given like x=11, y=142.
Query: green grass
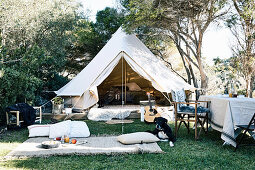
x=206, y=153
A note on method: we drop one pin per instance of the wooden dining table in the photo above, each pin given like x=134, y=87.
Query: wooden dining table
x=226, y=113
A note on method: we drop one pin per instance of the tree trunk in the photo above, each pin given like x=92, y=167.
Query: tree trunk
x=194, y=81
x=187, y=70
x=2, y=43
x=191, y=69
x=204, y=79
x=248, y=86
x=184, y=63
x=251, y=86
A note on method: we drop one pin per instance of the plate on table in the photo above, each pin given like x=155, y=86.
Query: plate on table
x=81, y=142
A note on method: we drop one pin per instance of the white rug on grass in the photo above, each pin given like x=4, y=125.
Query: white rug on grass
x=100, y=114
x=95, y=145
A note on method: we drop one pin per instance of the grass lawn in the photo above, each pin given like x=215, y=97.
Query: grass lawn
x=206, y=153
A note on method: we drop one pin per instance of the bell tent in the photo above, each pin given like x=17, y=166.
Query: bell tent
x=123, y=62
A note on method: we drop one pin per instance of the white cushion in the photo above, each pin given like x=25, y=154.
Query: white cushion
x=179, y=96
x=173, y=95
x=60, y=129
x=38, y=130
x=137, y=137
x=78, y=129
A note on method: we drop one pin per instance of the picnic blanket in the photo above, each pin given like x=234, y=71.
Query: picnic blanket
x=94, y=145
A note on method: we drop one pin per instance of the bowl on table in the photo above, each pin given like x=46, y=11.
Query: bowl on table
x=50, y=144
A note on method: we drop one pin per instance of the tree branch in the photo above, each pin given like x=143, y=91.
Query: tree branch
x=169, y=64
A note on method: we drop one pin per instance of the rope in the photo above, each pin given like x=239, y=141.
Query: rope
x=76, y=102
x=166, y=97
x=47, y=102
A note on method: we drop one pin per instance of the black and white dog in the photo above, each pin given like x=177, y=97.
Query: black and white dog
x=163, y=131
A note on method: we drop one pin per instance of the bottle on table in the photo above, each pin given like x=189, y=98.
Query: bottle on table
x=232, y=90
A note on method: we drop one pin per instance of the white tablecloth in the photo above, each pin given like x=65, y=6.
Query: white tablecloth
x=227, y=112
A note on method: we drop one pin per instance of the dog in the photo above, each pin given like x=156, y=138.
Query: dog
x=163, y=131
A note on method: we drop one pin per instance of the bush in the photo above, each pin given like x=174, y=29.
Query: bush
x=16, y=87
x=25, y=80
x=241, y=92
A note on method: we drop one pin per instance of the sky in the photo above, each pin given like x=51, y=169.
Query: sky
x=216, y=42
x=97, y=5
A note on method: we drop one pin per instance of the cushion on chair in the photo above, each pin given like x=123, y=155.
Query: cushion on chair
x=137, y=137
x=191, y=109
x=173, y=95
x=179, y=96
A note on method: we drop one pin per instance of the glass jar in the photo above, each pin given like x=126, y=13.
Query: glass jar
x=232, y=90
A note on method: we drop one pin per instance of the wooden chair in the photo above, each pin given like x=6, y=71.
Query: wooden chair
x=19, y=121
x=193, y=115
x=246, y=128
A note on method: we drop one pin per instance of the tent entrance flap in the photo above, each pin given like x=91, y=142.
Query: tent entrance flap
x=135, y=87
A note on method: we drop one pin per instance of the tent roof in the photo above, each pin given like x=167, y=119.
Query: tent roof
x=137, y=53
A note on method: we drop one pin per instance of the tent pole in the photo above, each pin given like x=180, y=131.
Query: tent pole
x=122, y=82
x=122, y=90
x=125, y=83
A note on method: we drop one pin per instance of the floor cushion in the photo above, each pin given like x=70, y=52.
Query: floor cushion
x=79, y=129
x=60, y=129
x=38, y=130
x=137, y=137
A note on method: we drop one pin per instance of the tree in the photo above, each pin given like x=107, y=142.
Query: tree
x=91, y=37
x=33, y=49
x=229, y=72
x=183, y=22
x=46, y=24
x=242, y=26
x=23, y=23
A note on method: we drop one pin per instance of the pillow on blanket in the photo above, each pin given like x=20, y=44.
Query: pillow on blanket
x=137, y=137
x=38, y=130
x=78, y=129
x=60, y=129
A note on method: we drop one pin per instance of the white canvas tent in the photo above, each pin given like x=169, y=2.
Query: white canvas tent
x=83, y=89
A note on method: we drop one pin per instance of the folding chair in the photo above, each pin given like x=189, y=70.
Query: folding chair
x=246, y=128
x=186, y=114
